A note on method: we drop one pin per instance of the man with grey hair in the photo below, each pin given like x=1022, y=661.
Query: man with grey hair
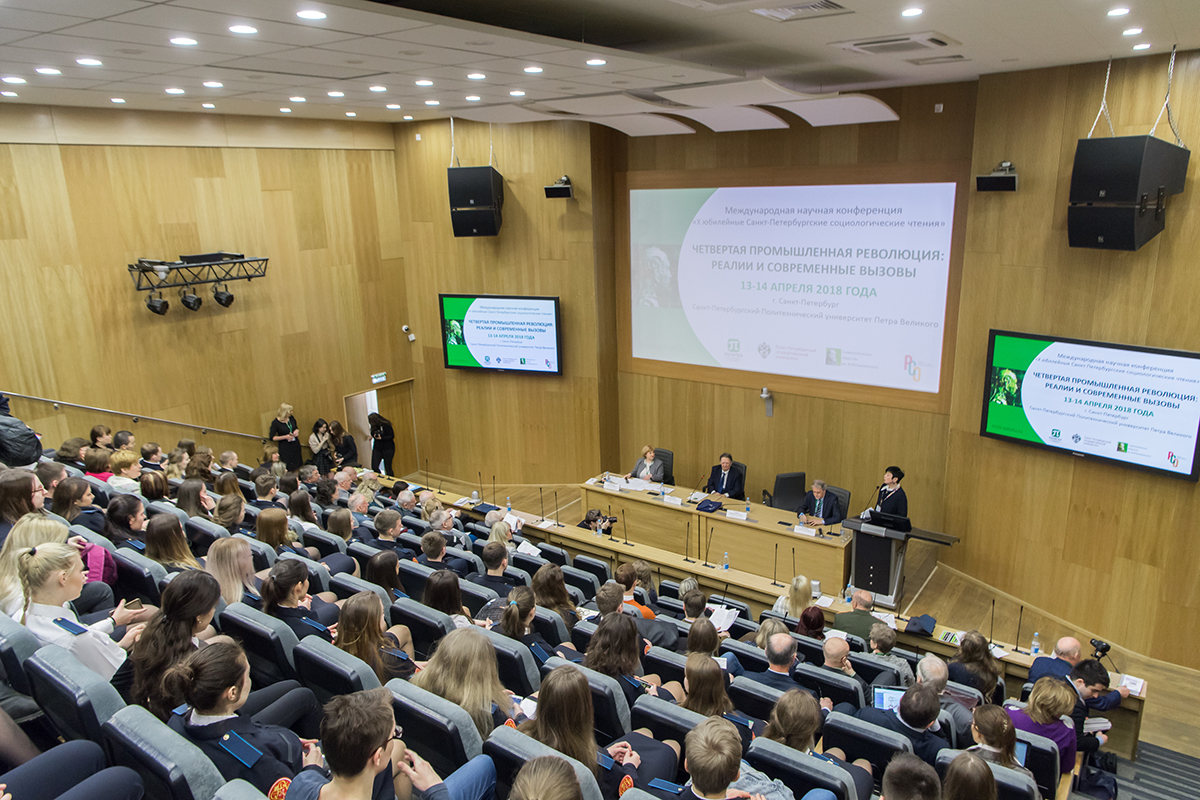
x=308, y=476
x=344, y=482
x=358, y=508
x=820, y=506
x=858, y=619
x=442, y=522
x=781, y=657
x=1067, y=653
x=407, y=501
x=933, y=672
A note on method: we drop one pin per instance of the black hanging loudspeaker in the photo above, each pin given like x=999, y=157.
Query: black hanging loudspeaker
x=476, y=197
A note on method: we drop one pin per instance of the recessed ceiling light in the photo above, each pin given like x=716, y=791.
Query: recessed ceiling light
x=912, y=12
x=476, y=76
x=596, y=62
x=184, y=41
x=214, y=84
x=336, y=94
x=118, y=100
x=533, y=70
x=310, y=14
x=472, y=98
x=48, y=71
x=480, y=43
x=89, y=62
x=1142, y=46
x=207, y=105
x=12, y=79
x=424, y=82
x=242, y=29
x=408, y=116
x=14, y=94
x=378, y=88
x=351, y=114
x=1131, y=32
x=297, y=99
x=175, y=90
x=393, y=106
x=1120, y=11
x=285, y=110
x=433, y=102
x=517, y=93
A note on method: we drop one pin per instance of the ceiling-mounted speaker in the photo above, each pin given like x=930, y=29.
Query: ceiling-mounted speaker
x=476, y=199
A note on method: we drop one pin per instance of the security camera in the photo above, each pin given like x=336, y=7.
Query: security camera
x=404, y=328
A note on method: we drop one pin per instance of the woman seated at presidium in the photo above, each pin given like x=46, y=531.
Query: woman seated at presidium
x=648, y=468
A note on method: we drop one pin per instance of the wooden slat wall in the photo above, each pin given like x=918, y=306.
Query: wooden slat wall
x=327, y=315
x=1113, y=550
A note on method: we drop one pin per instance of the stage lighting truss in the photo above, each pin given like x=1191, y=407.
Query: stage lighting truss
x=152, y=275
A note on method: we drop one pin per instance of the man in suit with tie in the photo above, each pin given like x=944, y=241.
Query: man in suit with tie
x=820, y=506
x=726, y=480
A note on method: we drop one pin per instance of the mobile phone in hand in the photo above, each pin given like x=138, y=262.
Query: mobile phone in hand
x=134, y=605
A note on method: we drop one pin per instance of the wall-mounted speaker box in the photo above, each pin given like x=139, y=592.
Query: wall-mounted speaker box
x=1119, y=187
x=473, y=189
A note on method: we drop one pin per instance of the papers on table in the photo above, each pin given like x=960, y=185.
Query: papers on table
x=612, y=486
x=721, y=617
x=721, y=661
x=886, y=619
x=639, y=485
x=950, y=637
x=1096, y=724
x=805, y=531
x=835, y=634
x=731, y=514
x=529, y=707
x=674, y=501
x=590, y=481
x=528, y=549
x=462, y=502
x=696, y=497
x=824, y=601
x=997, y=651
x=1135, y=685
x=666, y=489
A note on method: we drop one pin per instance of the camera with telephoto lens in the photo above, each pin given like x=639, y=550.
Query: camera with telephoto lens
x=1102, y=648
x=609, y=520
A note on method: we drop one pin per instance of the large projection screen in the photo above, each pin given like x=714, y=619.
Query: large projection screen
x=1130, y=405
x=845, y=283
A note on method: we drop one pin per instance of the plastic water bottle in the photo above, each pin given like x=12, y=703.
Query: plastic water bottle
x=1036, y=647
x=747, y=509
x=725, y=564
x=848, y=594
x=508, y=502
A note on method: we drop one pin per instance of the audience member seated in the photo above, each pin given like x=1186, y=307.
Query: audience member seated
x=344, y=444
x=715, y=768
x=645, y=579
x=495, y=561
x=974, y=665
x=932, y=672
x=501, y=533
x=969, y=778
x=124, y=440
x=96, y=463
x=72, y=453
x=231, y=514
x=916, y=715
x=167, y=544
x=367, y=759
x=231, y=561
x=273, y=462
x=265, y=489
x=798, y=598
x=33, y=530
x=220, y=712
x=189, y=603
x=781, y=657
x=362, y=632
x=101, y=436
x=704, y=682
x=358, y=505
x=996, y=738
x=125, y=471
x=626, y=575
x=725, y=480
x=152, y=457
x=517, y=623
x=907, y=777
x=1090, y=679
x=226, y=462
x=1050, y=701
x=550, y=592
x=199, y=467
x=308, y=477
x=565, y=721
x=71, y=771
x=188, y=446
x=74, y=502
x=858, y=619
x=766, y=629
x=703, y=638
x=795, y=722
x=463, y=670
x=442, y=593
x=300, y=510
x=406, y=502
x=837, y=659
x=387, y=528
x=443, y=522
x=126, y=522
x=52, y=576
x=812, y=623
x=285, y=596
x=21, y=493
x=546, y=778
x=881, y=642
x=341, y=525
x=177, y=461
x=271, y=529
x=383, y=569
x=327, y=490
x=433, y=554
x=1067, y=653
x=51, y=474
x=153, y=485
x=615, y=651
x=193, y=499
x=694, y=603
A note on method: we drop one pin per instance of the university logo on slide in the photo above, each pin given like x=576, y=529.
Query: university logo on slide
x=1055, y=433
x=1174, y=459
x=910, y=364
x=734, y=346
x=764, y=349
x=1076, y=438
x=1122, y=447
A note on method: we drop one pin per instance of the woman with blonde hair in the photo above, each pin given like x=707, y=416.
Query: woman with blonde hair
x=463, y=670
x=231, y=512
x=272, y=460
x=502, y=533
x=286, y=437
x=766, y=629
x=231, y=561
x=177, y=461
x=1050, y=700
x=546, y=778
x=429, y=507
x=798, y=598
x=795, y=722
x=974, y=665
x=648, y=467
x=363, y=633
x=166, y=544
x=33, y=530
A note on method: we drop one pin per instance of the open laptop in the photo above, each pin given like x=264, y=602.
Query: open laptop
x=886, y=698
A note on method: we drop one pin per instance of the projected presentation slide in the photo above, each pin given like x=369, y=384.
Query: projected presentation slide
x=1124, y=404
x=843, y=283
x=503, y=333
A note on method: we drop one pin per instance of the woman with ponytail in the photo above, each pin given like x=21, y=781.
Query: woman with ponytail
x=363, y=633
x=126, y=517
x=995, y=737
x=517, y=623
x=285, y=596
x=51, y=576
x=214, y=685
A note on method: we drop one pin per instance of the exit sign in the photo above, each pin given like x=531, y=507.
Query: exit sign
x=378, y=377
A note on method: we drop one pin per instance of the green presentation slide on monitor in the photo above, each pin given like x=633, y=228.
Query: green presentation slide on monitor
x=1128, y=404
x=492, y=332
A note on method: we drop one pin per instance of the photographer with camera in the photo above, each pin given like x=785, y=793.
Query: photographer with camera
x=596, y=522
x=1067, y=653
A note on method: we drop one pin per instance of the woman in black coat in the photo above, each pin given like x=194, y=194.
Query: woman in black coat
x=383, y=443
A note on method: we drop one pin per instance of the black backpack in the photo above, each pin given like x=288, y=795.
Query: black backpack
x=19, y=445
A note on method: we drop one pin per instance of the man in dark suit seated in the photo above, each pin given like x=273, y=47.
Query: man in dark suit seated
x=1090, y=679
x=781, y=657
x=1068, y=653
x=387, y=528
x=837, y=659
x=152, y=456
x=264, y=492
x=858, y=620
x=726, y=480
x=495, y=560
x=909, y=778
x=918, y=712
x=820, y=506
x=433, y=555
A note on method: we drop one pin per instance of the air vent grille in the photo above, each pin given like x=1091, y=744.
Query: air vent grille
x=813, y=10
x=898, y=44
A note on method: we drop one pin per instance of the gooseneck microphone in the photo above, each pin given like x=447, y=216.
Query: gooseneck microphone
x=1017, y=645
x=775, y=568
x=992, y=629
x=557, y=524
x=708, y=548
x=687, y=537
x=612, y=538
x=494, y=491
x=480, y=474
x=625, y=529
x=695, y=489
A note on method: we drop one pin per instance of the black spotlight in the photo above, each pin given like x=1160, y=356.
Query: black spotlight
x=157, y=304
x=190, y=301
x=224, y=298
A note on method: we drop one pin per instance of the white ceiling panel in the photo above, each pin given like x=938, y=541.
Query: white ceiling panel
x=339, y=18
x=605, y=105
x=615, y=60
x=680, y=73
x=24, y=20
x=622, y=81
x=504, y=114
x=406, y=52
x=160, y=37
x=643, y=125
x=74, y=47
x=91, y=9
x=736, y=93
x=733, y=118
x=298, y=69
x=348, y=58
x=847, y=109
x=196, y=22
x=472, y=41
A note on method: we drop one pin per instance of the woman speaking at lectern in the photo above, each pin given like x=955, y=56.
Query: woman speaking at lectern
x=892, y=499
x=648, y=468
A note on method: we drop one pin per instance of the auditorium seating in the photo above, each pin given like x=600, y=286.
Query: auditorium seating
x=17, y=644
x=668, y=589
x=426, y=625
x=837, y=687
x=474, y=596
x=800, y=772
x=751, y=658
x=667, y=457
x=100, y=491
x=73, y=697
x=439, y=731
x=551, y=626
x=665, y=720
x=596, y=566
x=413, y=577
x=581, y=634
x=326, y=543
x=268, y=641
x=666, y=664
x=202, y=534
x=93, y=537
x=345, y=585
x=740, y=467
x=608, y=701
x=530, y=564
x=789, y=491
x=510, y=749
x=263, y=556
x=874, y=671
x=858, y=739
x=329, y=671
x=137, y=576
x=318, y=573
x=753, y=698
x=169, y=765
x=1010, y=784
x=518, y=669
x=555, y=554
x=670, y=605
